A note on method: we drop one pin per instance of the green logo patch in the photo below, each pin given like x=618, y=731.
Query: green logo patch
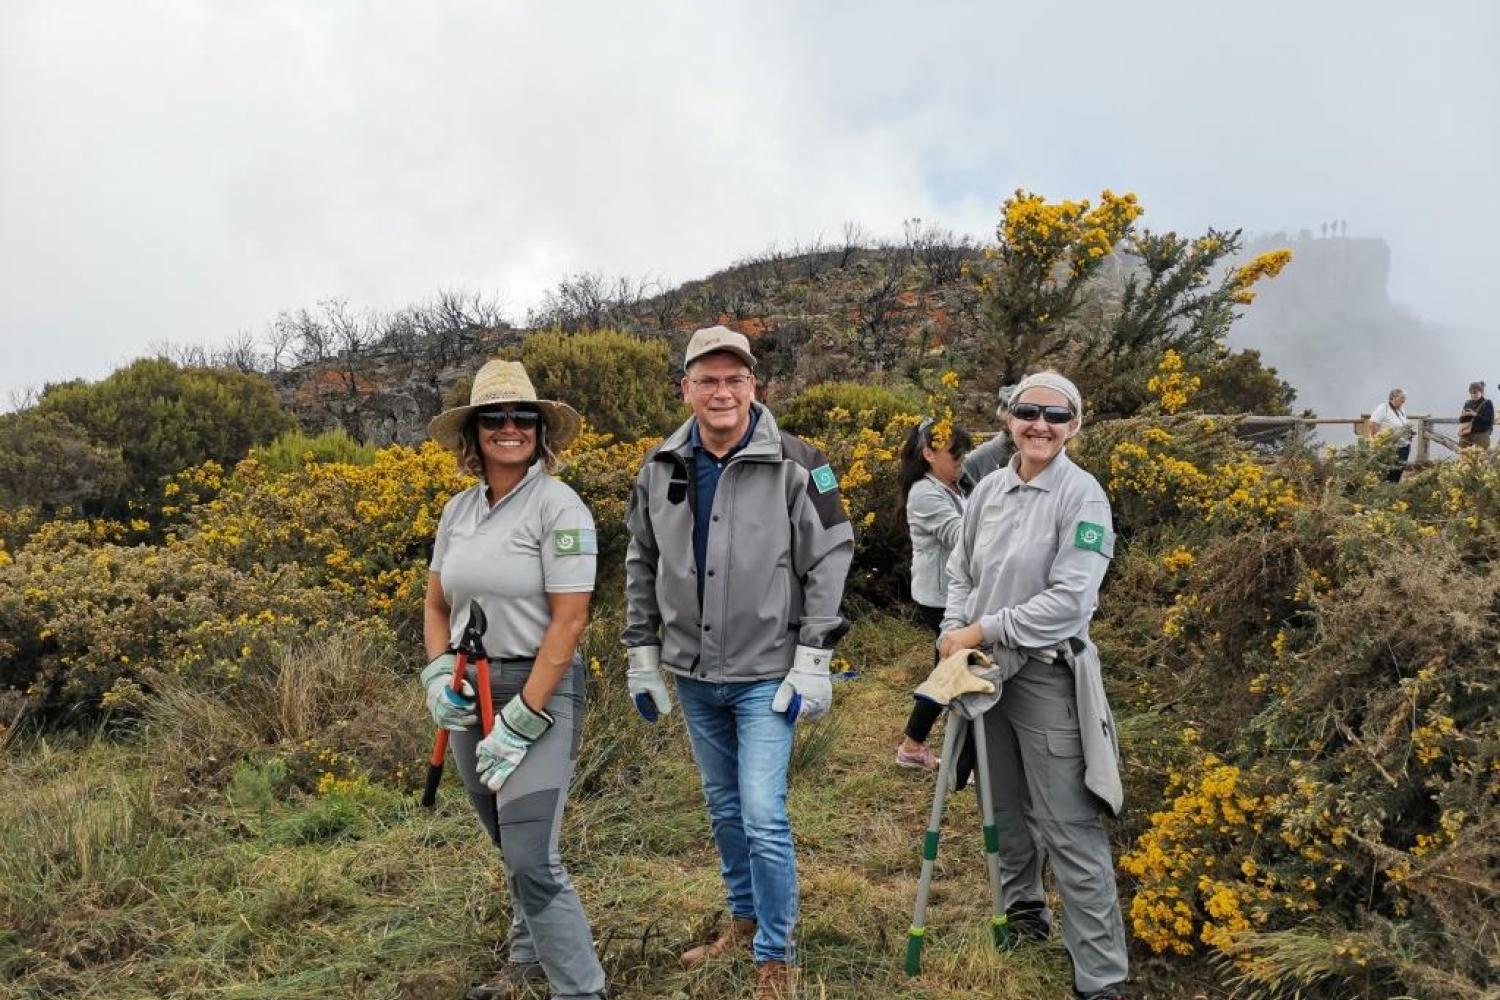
x=1095, y=538
x=575, y=542
x=824, y=479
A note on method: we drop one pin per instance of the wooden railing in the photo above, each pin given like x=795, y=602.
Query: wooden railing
x=1425, y=426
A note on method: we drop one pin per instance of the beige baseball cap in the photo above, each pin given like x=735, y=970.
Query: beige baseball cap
x=717, y=338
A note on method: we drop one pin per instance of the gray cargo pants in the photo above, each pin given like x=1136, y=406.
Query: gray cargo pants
x=524, y=820
x=1044, y=812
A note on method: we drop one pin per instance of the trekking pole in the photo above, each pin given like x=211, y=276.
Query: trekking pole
x=918, y=932
x=470, y=650
x=998, y=923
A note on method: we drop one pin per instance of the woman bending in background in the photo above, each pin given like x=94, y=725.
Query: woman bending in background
x=934, y=508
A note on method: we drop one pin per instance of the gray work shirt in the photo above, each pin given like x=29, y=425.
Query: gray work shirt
x=1031, y=556
x=988, y=457
x=934, y=517
x=537, y=540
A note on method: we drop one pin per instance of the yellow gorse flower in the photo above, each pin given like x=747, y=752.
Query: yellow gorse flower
x=1266, y=265
x=1047, y=233
x=1171, y=387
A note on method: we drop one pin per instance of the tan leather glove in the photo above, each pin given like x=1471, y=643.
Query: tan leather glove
x=956, y=676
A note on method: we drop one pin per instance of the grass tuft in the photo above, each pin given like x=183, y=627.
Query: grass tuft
x=258, y=843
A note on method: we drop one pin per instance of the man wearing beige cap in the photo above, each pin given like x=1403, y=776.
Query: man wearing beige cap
x=739, y=546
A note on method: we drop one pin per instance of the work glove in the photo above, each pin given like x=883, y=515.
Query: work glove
x=956, y=676
x=806, y=693
x=643, y=679
x=450, y=710
x=517, y=727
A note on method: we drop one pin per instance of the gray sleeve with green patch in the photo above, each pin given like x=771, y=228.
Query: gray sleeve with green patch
x=1085, y=542
x=569, y=547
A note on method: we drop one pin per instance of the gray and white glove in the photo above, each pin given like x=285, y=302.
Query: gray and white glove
x=647, y=687
x=449, y=709
x=807, y=692
x=517, y=727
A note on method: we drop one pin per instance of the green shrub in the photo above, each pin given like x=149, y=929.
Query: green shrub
x=49, y=464
x=457, y=394
x=162, y=419
x=294, y=449
x=1242, y=383
x=79, y=620
x=255, y=784
x=324, y=820
x=603, y=474
x=361, y=532
x=623, y=385
x=833, y=404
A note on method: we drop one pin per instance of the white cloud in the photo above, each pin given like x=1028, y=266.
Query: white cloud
x=181, y=170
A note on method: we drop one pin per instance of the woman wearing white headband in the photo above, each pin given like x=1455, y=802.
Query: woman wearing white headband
x=1022, y=583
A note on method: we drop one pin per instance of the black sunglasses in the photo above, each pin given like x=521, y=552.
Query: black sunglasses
x=1027, y=412
x=493, y=420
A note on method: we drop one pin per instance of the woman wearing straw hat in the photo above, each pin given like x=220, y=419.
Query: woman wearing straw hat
x=1037, y=538
x=522, y=544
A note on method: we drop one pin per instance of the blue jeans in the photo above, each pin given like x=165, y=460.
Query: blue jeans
x=743, y=751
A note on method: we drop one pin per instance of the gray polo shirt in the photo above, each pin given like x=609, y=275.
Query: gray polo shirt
x=537, y=540
x=934, y=518
x=1031, y=556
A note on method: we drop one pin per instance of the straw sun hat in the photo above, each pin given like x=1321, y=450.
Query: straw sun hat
x=505, y=382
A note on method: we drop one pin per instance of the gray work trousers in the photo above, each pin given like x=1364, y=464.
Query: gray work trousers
x=524, y=820
x=1044, y=812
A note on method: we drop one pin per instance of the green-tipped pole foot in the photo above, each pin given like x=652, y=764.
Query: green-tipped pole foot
x=914, y=940
x=1000, y=929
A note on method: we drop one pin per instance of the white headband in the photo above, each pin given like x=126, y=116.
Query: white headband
x=1051, y=380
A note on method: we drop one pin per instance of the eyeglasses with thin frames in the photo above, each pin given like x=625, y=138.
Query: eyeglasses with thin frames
x=709, y=386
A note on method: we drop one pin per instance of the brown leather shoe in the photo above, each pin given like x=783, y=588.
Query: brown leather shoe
x=773, y=981
x=739, y=934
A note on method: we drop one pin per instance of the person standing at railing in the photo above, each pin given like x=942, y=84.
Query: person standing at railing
x=1476, y=420
x=1390, y=418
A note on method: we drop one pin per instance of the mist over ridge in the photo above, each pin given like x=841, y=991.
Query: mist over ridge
x=1328, y=325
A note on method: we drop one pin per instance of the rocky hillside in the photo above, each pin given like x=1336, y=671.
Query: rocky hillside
x=857, y=314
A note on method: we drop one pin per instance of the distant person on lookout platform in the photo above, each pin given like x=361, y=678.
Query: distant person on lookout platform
x=1476, y=420
x=1390, y=418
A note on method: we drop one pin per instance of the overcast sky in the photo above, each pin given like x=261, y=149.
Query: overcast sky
x=183, y=169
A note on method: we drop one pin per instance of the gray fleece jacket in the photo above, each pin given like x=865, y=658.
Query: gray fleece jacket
x=779, y=548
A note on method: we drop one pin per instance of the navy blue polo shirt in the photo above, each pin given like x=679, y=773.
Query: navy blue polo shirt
x=706, y=472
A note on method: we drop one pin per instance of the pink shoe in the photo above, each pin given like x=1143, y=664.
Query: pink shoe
x=920, y=759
